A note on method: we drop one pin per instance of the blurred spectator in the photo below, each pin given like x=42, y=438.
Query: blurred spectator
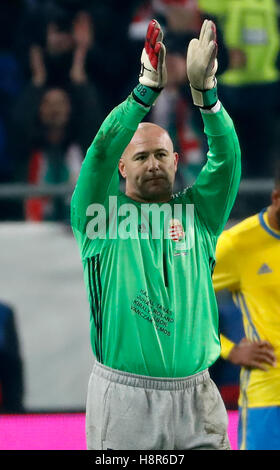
x=249, y=88
x=54, y=157
x=48, y=150
x=11, y=364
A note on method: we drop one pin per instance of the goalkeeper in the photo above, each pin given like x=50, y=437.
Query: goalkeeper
x=153, y=312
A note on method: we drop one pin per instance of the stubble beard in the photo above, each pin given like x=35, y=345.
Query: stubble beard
x=162, y=193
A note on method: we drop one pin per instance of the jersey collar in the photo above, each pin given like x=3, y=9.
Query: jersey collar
x=265, y=226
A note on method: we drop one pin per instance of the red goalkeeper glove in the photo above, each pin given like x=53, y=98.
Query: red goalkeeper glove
x=153, y=75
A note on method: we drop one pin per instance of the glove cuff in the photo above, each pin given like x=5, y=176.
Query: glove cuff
x=145, y=95
x=206, y=98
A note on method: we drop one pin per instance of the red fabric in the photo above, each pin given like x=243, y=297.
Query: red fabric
x=151, y=46
x=34, y=206
x=34, y=167
x=230, y=394
x=34, y=210
x=144, y=11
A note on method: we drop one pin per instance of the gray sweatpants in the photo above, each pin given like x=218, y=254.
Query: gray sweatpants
x=134, y=412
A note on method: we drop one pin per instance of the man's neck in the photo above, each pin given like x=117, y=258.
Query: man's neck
x=137, y=198
x=272, y=219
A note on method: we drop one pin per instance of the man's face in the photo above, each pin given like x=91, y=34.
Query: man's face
x=55, y=108
x=149, y=165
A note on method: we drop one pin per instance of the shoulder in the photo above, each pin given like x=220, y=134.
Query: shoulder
x=243, y=232
x=247, y=225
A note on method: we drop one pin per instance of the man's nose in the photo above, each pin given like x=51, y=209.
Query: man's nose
x=153, y=163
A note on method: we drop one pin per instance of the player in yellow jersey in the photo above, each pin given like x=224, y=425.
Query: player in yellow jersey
x=248, y=264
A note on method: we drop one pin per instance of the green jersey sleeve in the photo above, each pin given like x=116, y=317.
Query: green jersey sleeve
x=99, y=172
x=216, y=187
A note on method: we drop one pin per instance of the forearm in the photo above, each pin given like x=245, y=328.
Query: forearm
x=217, y=185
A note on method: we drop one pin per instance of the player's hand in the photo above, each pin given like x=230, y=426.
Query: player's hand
x=202, y=61
x=153, y=69
x=257, y=354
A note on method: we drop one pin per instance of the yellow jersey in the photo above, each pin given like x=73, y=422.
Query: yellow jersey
x=248, y=264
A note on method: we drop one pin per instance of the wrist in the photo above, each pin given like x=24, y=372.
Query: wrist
x=211, y=109
x=205, y=98
x=232, y=355
x=145, y=95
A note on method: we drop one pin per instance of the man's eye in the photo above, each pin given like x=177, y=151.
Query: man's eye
x=141, y=157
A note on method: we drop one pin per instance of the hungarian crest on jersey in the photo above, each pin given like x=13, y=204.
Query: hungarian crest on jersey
x=177, y=234
x=176, y=231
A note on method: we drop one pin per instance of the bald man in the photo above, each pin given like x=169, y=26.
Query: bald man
x=149, y=164
x=148, y=257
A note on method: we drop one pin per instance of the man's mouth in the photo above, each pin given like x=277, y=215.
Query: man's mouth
x=155, y=178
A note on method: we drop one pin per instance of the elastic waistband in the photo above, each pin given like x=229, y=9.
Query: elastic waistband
x=143, y=381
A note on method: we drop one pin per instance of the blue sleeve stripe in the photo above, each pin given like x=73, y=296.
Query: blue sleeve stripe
x=245, y=310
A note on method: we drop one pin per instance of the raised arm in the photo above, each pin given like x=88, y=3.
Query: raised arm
x=99, y=173
x=216, y=187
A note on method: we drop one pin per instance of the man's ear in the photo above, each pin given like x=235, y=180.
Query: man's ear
x=122, y=168
x=176, y=159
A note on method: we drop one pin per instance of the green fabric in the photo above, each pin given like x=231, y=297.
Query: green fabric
x=146, y=95
x=153, y=309
x=252, y=27
x=209, y=97
x=213, y=7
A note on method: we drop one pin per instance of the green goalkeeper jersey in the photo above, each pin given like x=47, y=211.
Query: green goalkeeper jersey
x=153, y=309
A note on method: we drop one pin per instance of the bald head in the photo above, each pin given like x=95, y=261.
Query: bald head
x=145, y=133
x=151, y=127
x=149, y=164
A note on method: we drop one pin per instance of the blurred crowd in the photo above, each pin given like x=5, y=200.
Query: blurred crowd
x=64, y=64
